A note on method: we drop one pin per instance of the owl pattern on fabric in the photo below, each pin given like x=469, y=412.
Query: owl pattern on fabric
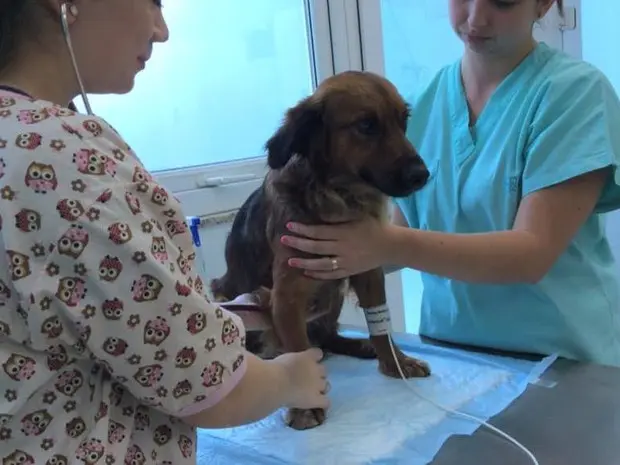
x=104, y=313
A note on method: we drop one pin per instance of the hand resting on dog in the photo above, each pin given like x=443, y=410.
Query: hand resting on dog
x=294, y=380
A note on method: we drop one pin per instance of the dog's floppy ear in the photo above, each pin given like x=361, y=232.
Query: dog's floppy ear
x=295, y=135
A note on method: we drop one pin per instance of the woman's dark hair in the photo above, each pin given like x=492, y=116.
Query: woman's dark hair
x=558, y=3
x=11, y=24
x=18, y=19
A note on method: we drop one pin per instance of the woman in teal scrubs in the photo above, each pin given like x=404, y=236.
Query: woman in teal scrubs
x=523, y=144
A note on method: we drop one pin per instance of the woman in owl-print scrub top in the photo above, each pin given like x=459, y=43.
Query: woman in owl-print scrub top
x=109, y=351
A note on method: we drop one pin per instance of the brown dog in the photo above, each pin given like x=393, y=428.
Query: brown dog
x=338, y=156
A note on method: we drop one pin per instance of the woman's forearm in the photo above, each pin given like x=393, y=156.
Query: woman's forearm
x=260, y=392
x=497, y=257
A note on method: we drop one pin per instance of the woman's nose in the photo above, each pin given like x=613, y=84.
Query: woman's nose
x=478, y=14
x=161, y=33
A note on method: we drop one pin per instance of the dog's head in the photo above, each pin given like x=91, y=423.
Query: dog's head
x=354, y=124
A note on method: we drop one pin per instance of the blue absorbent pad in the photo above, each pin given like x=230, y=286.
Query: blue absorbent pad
x=376, y=420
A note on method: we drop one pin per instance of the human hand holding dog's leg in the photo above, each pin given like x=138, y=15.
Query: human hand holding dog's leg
x=291, y=380
x=370, y=290
x=290, y=297
x=306, y=382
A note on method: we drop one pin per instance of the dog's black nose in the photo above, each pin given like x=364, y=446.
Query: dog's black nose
x=415, y=175
x=404, y=177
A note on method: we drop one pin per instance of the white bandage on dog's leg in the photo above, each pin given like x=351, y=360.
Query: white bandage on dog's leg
x=378, y=320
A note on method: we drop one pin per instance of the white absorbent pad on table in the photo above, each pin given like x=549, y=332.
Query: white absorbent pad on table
x=378, y=420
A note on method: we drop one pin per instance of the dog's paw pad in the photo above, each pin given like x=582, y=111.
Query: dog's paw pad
x=300, y=419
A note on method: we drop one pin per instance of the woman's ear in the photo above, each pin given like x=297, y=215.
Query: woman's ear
x=301, y=124
x=56, y=9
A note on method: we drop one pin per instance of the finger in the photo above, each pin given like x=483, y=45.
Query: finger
x=315, y=231
x=326, y=388
x=312, y=264
x=309, y=245
x=326, y=275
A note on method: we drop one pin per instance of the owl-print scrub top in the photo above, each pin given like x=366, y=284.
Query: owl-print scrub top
x=106, y=337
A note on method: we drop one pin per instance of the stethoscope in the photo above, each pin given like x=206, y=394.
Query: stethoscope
x=65, y=9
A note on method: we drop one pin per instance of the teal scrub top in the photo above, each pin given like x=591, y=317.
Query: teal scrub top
x=551, y=119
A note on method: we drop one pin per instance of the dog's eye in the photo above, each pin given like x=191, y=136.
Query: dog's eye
x=368, y=126
x=405, y=120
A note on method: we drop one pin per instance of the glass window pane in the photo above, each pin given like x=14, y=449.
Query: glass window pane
x=219, y=87
x=408, y=27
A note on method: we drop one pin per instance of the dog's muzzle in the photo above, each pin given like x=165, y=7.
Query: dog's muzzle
x=407, y=177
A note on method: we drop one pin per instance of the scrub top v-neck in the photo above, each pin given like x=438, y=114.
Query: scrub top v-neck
x=467, y=135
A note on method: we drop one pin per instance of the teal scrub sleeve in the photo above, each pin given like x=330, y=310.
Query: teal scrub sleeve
x=575, y=130
x=408, y=207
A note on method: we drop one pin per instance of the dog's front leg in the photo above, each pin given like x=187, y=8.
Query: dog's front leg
x=370, y=290
x=290, y=298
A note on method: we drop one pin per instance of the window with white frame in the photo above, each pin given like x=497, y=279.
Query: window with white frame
x=200, y=114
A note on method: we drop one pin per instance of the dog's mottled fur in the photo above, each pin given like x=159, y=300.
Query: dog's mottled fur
x=338, y=157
